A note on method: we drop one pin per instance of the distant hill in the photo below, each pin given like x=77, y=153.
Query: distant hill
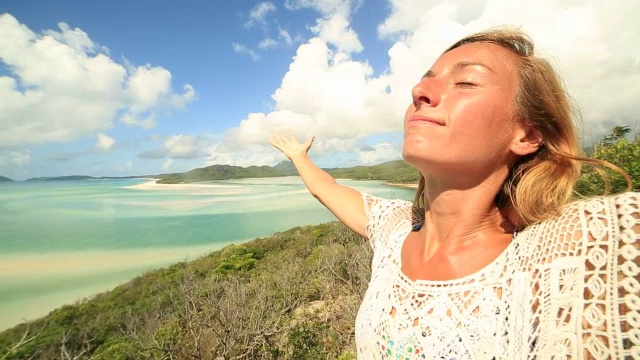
x=83, y=177
x=396, y=171
x=62, y=178
x=392, y=171
x=5, y=179
x=221, y=172
x=286, y=167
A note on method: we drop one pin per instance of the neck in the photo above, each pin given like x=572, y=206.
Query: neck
x=464, y=214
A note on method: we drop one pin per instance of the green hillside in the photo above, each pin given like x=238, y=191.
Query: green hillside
x=396, y=171
x=220, y=172
x=293, y=295
x=5, y=179
x=62, y=178
x=393, y=171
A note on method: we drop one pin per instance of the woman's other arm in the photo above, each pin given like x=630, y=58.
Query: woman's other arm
x=344, y=202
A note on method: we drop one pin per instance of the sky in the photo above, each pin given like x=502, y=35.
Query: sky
x=122, y=88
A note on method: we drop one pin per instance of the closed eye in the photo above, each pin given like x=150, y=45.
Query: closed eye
x=465, y=84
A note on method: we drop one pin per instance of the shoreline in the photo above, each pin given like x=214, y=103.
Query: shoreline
x=402, y=185
x=153, y=185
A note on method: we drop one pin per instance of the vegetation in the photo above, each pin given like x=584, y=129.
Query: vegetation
x=5, y=179
x=396, y=171
x=618, y=150
x=293, y=295
x=393, y=171
x=220, y=172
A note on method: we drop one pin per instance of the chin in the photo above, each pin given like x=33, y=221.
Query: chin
x=412, y=157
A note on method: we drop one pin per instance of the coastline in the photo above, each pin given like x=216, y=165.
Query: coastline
x=153, y=185
x=402, y=185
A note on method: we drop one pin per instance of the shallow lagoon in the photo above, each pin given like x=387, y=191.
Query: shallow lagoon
x=61, y=241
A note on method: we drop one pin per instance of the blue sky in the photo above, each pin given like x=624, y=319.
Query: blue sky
x=145, y=87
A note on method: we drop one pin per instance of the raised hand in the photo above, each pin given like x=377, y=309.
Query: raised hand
x=289, y=145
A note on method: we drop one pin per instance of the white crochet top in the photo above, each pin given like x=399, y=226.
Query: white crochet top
x=563, y=289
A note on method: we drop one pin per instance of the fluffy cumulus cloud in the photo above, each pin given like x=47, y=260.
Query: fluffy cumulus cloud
x=378, y=153
x=179, y=147
x=15, y=157
x=248, y=155
x=62, y=86
x=328, y=93
x=587, y=41
x=333, y=25
x=104, y=143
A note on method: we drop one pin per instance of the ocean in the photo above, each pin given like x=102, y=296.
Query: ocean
x=62, y=241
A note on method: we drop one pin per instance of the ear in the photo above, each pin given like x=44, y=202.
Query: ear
x=527, y=140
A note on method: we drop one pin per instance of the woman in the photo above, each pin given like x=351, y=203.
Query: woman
x=491, y=261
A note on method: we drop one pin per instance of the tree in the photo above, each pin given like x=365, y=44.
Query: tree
x=616, y=149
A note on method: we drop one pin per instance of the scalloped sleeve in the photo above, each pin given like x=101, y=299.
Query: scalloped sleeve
x=386, y=219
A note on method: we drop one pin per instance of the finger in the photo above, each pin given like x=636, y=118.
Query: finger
x=284, y=139
x=275, y=140
x=292, y=136
x=310, y=141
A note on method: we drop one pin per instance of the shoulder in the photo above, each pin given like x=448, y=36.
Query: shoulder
x=387, y=217
x=374, y=205
x=609, y=209
x=584, y=223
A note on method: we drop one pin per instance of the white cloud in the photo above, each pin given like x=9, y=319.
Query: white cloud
x=167, y=165
x=62, y=86
x=146, y=85
x=285, y=36
x=379, y=153
x=249, y=155
x=105, y=143
x=327, y=94
x=179, y=147
x=242, y=49
x=324, y=7
x=333, y=25
x=77, y=39
x=335, y=30
x=12, y=159
x=330, y=95
x=267, y=44
x=587, y=41
x=258, y=14
x=20, y=157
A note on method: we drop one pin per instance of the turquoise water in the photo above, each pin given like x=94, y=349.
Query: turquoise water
x=61, y=241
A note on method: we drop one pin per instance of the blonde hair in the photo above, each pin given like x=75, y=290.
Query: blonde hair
x=539, y=184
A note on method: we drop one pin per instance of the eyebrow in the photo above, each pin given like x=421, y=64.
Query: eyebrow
x=459, y=66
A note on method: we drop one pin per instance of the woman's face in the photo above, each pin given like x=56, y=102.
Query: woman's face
x=462, y=114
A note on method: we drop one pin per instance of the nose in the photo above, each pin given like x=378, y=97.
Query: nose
x=425, y=94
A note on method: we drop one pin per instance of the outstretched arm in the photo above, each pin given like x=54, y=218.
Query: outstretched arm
x=344, y=202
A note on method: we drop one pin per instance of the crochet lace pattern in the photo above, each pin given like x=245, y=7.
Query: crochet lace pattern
x=566, y=288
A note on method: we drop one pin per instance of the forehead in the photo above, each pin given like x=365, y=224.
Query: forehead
x=495, y=57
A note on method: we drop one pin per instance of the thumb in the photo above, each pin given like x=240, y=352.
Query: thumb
x=310, y=141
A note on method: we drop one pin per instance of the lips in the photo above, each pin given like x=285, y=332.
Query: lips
x=419, y=119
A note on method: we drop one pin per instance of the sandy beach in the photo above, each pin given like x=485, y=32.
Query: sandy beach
x=70, y=276
x=153, y=185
